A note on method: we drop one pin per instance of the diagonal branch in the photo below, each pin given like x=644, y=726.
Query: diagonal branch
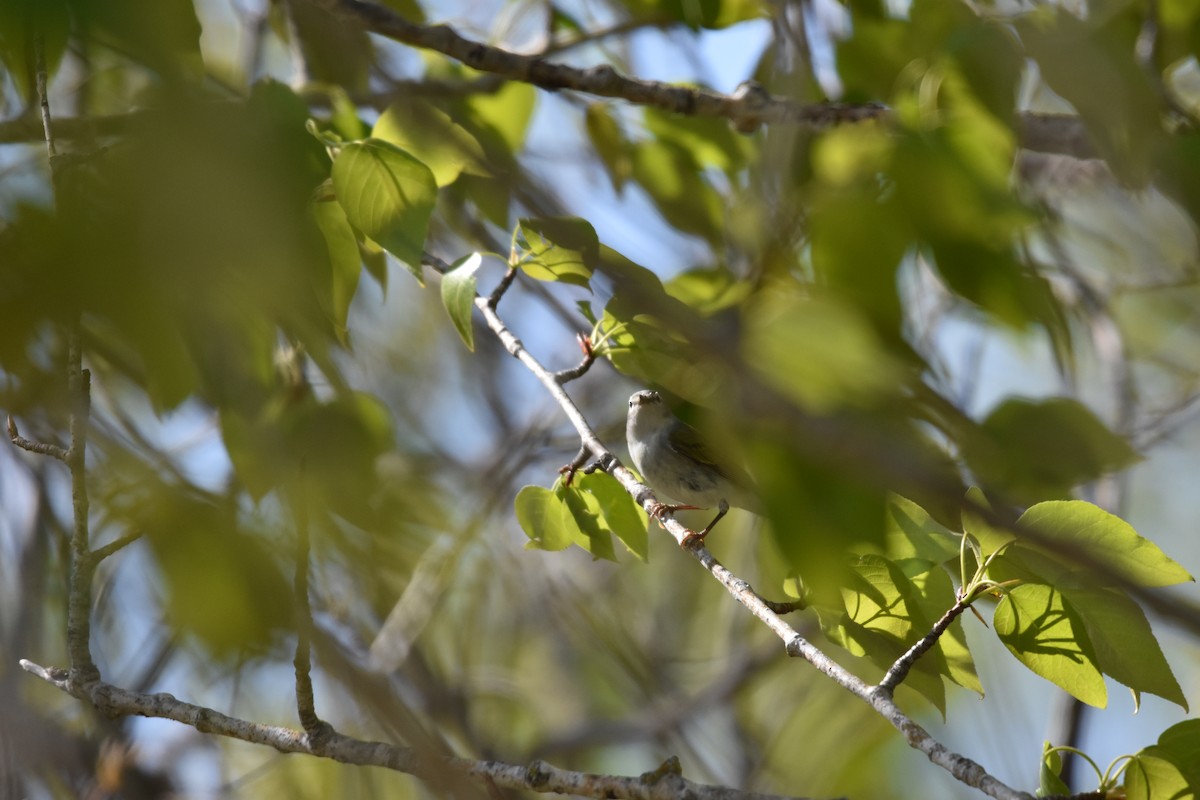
x=899, y=671
x=962, y=768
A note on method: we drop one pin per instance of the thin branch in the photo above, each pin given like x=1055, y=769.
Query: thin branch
x=502, y=287
x=747, y=108
x=41, y=448
x=962, y=768
x=302, y=661
x=116, y=545
x=79, y=597
x=535, y=777
x=39, y=54
x=899, y=671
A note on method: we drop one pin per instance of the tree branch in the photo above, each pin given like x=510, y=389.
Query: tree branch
x=747, y=108
x=535, y=777
x=962, y=768
x=899, y=671
x=41, y=448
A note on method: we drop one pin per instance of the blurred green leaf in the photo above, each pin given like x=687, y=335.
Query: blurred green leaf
x=458, y=296
x=610, y=144
x=344, y=257
x=1037, y=449
x=1092, y=64
x=558, y=249
x=818, y=351
x=222, y=584
x=431, y=136
x=708, y=290
x=674, y=179
x=20, y=22
x=1043, y=631
x=712, y=142
x=388, y=195
x=335, y=50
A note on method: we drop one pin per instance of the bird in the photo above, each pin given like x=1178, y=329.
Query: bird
x=674, y=460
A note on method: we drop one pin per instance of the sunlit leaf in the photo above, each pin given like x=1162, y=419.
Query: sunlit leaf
x=430, y=135
x=458, y=296
x=1106, y=538
x=388, y=195
x=558, y=249
x=622, y=515
x=539, y=512
x=1043, y=631
x=344, y=258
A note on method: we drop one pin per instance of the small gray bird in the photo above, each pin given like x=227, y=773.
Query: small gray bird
x=673, y=459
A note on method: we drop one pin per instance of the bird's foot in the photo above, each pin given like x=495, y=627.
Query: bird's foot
x=658, y=509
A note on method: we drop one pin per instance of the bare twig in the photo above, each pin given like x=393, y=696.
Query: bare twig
x=41, y=448
x=899, y=671
x=116, y=545
x=302, y=661
x=39, y=55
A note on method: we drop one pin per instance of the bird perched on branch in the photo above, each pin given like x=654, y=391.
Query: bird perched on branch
x=673, y=460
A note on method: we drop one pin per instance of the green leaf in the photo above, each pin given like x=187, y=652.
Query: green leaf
x=911, y=533
x=558, y=249
x=1043, y=631
x=989, y=537
x=458, y=296
x=20, y=21
x=1124, y=643
x=1042, y=449
x=712, y=142
x=582, y=516
x=676, y=183
x=1180, y=744
x=1106, y=538
x=609, y=143
x=505, y=112
x=344, y=258
x=1049, y=780
x=388, y=195
x=1149, y=776
x=621, y=514
x=539, y=512
x=429, y=134
x=818, y=350
x=708, y=290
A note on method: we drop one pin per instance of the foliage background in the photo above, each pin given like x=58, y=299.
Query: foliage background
x=188, y=248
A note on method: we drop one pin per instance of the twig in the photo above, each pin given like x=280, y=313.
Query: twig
x=899, y=671
x=79, y=596
x=41, y=448
x=302, y=661
x=746, y=109
x=535, y=777
x=502, y=287
x=101, y=553
x=39, y=55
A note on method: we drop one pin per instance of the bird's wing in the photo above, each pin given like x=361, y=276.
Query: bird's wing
x=686, y=440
